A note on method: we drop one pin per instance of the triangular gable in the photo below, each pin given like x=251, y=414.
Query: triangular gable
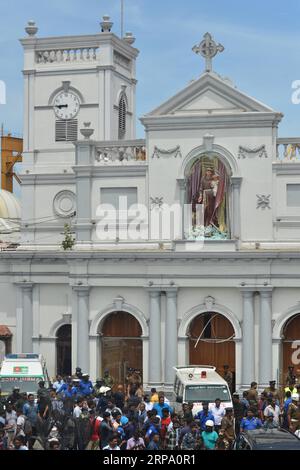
x=210, y=94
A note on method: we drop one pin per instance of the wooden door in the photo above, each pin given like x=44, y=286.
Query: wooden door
x=64, y=350
x=291, y=355
x=121, y=346
x=217, y=347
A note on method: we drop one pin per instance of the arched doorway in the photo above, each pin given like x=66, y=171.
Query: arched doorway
x=208, y=194
x=64, y=350
x=211, y=342
x=291, y=346
x=121, y=346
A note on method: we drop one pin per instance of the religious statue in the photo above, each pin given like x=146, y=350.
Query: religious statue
x=207, y=189
x=207, y=196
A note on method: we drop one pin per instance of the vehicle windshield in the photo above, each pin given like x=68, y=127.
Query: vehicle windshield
x=26, y=384
x=198, y=393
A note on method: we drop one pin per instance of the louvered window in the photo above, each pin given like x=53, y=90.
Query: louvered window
x=122, y=117
x=66, y=130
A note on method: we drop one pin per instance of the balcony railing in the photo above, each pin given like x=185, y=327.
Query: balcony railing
x=121, y=152
x=81, y=54
x=288, y=149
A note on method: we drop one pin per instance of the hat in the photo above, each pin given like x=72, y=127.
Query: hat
x=18, y=388
x=209, y=423
x=85, y=375
x=104, y=389
x=295, y=397
x=124, y=420
x=76, y=380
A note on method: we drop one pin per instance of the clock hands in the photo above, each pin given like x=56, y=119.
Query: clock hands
x=60, y=106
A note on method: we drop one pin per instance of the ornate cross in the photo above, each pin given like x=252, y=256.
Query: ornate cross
x=208, y=48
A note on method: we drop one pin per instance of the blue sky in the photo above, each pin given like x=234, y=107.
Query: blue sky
x=261, y=39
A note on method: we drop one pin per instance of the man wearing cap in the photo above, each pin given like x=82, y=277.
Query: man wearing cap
x=291, y=376
x=14, y=396
x=209, y=436
x=108, y=379
x=294, y=413
x=273, y=392
x=78, y=373
x=238, y=409
x=85, y=386
x=227, y=426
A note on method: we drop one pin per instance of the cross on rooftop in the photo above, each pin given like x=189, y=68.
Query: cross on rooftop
x=208, y=48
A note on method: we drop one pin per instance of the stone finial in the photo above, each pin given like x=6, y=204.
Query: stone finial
x=106, y=24
x=31, y=28
x=129, y=38
x=87, y=132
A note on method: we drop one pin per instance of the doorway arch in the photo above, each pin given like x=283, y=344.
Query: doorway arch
x=121, y=345
x=211, y=342
x=291, y=346
x=64, y=350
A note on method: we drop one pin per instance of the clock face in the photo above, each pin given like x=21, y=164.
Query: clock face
x=66, y=105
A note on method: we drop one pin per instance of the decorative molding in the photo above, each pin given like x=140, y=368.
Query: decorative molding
x=245, y=152
x=174, y=152
x=208, y=141
x=263, y=201
x=119, y=302
x=156, y=202
x=64, y=203
x=209, y=302
x=121, y=60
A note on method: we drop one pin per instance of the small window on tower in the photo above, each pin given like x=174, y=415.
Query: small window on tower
x=122, y=117
x=66, y=130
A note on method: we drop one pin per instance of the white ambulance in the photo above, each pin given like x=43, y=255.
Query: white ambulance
x=24, y=371
x=196, y=384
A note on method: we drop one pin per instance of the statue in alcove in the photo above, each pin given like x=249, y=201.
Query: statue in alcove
x=207, y=186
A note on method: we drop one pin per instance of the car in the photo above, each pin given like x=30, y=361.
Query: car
x=197, y=383
x=267, y=439
x=24, y=371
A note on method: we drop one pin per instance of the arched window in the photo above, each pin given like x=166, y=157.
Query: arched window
x=122, y=117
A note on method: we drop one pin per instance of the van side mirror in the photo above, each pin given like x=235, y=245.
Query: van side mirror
x=179, y=399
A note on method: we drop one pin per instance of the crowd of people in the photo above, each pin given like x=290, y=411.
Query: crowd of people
x=75, y=414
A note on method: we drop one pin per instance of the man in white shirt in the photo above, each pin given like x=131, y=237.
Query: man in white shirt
x=112, y=444
x=218, y=412
x=58, y=383
x=272, y=413
x=77, y=412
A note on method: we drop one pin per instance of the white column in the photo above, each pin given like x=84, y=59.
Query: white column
x=155, y=338
x=25, y=314
x=265, y=337
x=171, y=343
x=248, y=351
x=83, y=359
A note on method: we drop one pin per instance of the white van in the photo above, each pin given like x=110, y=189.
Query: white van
x=195, y=384
x=24, y=371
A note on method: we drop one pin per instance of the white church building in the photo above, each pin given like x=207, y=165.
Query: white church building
x=219, y=284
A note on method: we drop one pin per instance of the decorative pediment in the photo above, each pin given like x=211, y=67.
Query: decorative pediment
x=210, y=94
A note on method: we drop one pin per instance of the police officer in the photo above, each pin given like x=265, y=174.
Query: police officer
x=85, y=386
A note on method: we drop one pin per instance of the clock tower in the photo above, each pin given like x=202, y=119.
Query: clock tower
x=69, y=81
